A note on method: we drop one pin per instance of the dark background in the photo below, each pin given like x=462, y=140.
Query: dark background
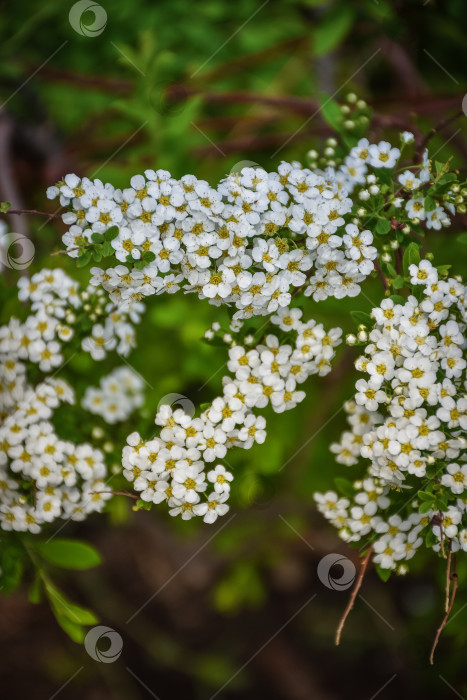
x=199, y=88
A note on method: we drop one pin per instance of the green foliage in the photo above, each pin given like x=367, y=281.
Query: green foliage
x=68, y=554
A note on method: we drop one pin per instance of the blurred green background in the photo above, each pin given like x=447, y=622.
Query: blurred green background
x=203, y=88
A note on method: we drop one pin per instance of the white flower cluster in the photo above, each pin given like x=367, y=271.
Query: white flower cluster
x=412, y=182
x=250, y=242
x=60, y=306
x=408, y=418
x=116, y=397
x=42, y=477
x=172, y=466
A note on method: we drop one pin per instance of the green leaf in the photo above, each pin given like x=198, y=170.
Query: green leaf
x=398, y=282
x=443, y=268
x=425, y=496
x=148, y=256
x=62, y=607
x=84, y=259
x=142, y=505
x=97, y=237
x=385, y=176
x=111, y=233
x=411, y=257
x=425, y=507
x=430, y=204
x=11, y=567
x=344, y=486
x=384, y=574
x=430, y=538
x=362, y=317
x=332, y=28
x=397, y=299
x=140, y=264
x=382, y=227
x=107, y=249
x=76, y=632
x=4, y=206
x=331, y=112
x=35, y=591
x=69, y=554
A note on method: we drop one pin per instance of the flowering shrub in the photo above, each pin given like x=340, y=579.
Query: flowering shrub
x=254, y=244
x=407, y=418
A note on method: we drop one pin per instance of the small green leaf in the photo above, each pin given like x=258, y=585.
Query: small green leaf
x=332, y=28
x=76, y=632
x=69, y=554
x=331, y=112
x=398, y=282
x=411, y=257
x=425, y=507
x=344, y=486
x=397, y=299
x=362, y=317
x=111, y=233
x=384, y=574
x=4, y=206
x=84, y=259
x=142, y=505
x=97, y=237
x=382, y=227
x=430, y=204
x=430, y=538
x=35, y=591
x=62, y=607
x=107, y=249
x=148, y=256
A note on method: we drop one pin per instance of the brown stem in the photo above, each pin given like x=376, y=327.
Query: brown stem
x=353, y=596
x=383, y=279
x=454, y=578
x=33, y=211
x=448, y=580
x=434, y=131
x=118, y=493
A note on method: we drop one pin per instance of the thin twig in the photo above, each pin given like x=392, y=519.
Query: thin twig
x=117, y=493
x=448, y=580
x=353, y=596
x=383, y=279
x=454, y=579
x=435, y=130
x=33, y=211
